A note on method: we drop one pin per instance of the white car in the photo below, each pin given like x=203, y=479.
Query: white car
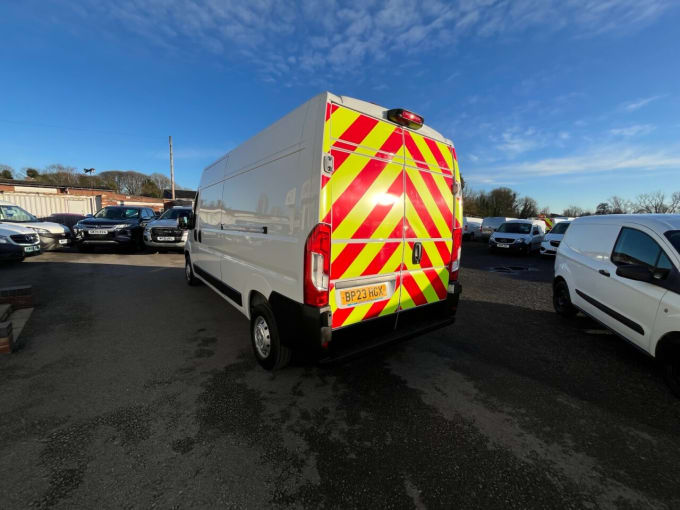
x=490, y=224
x=551, y=241
x=17, y=242
x=518, y=236
x=623, y=271
x=53, y=236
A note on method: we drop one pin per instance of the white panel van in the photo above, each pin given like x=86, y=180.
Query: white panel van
x=341, y=219
x=624, y=271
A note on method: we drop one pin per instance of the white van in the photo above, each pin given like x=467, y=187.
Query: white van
x=490, y=224
x=519, y=236
x=53, y=236
x=472, y=227
x=343, y=213
x=623, y=270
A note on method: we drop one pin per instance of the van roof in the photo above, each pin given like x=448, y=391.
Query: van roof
x=657, y=222
x=380, y=112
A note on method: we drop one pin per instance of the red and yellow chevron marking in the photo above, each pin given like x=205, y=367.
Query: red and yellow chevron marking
x=388, y=185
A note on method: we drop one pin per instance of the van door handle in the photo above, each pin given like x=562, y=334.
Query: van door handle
x=417, y=253
x=604, y=272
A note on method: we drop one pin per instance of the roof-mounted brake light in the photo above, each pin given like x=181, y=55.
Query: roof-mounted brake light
x=405, y=118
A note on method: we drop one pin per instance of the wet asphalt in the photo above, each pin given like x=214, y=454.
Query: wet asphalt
x=134, y=390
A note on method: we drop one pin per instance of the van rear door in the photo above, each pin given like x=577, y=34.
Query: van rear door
x=363, y=202
x=428, y=223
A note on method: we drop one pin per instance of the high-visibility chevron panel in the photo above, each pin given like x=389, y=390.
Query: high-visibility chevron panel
x=427, y=154
x=435, y=254
x=353, y=260
x=423, y=286
x=429, y=205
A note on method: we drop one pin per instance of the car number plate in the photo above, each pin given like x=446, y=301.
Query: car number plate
x=357, y=295
x=503, y=245
x=63, y=241
x=99, y=232
x=165, y=238
x=29, y=249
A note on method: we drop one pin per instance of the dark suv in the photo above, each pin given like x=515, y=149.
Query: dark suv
x=119, y=225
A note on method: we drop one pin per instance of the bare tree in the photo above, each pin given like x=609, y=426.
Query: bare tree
x=573, y=211
x=545, y=211
x=619, y=205
x=651, y=203
x=674, y=205
x=161, y=181
x=603, y=208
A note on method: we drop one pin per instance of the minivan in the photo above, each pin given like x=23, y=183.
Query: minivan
x=623, y=271
x=337, y=227
x=518, y=236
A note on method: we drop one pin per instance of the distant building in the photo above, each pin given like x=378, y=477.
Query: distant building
x=182, y=197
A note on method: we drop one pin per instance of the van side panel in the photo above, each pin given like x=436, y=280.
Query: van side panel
x=268, y=203
x=363, y=201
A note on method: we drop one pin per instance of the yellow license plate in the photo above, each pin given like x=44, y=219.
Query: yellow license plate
x=357, y=295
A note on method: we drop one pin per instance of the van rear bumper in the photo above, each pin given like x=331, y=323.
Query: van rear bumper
x=309, y=328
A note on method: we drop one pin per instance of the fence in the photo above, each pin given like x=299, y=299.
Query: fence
x=44, y=205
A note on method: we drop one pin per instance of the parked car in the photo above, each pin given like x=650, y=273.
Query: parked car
x=17, y=242
x=551, y=240
x=519, y=236
x=623, y=271
x=53, y=236
x=164, y=233
x=114, y=226
x=490, y=224
x=269, y=215
x=472, y=227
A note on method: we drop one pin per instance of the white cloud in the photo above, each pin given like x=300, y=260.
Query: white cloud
x=323, y=36
x=516, y=141
x=634, y=130
x=631, y=106
x=611, y=157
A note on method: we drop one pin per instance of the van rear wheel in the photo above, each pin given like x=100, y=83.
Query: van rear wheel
x=189, y=272
x=269, y=352
x=562, y=300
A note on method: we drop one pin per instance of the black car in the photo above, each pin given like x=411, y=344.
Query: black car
x=119, y=225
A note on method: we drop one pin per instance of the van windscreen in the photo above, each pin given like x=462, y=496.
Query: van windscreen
x=515, y=228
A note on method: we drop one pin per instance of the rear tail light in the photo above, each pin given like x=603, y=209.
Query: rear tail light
x=454, y=267
x=405, y=118
x=317, y=265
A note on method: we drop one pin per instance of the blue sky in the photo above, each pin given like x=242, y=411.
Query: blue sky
x=567, y=101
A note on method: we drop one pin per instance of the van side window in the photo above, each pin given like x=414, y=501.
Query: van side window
x=635, y=247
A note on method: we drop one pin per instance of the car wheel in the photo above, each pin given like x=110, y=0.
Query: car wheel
x=264, y=335
x=189, y=273
x=562, y=300
x=671, y=370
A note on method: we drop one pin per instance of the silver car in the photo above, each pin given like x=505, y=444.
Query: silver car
x=164, y=234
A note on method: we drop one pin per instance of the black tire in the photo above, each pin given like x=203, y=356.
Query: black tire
x=269, y=352
x=562, y=300
x=671, y=369
x=189, y=273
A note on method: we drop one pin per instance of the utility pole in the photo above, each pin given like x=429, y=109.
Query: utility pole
x=172, y=169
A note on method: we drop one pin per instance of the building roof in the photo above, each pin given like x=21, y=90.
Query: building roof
x=179, y=193
x=37, y=184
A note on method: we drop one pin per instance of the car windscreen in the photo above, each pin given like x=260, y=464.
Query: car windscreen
x=14, y=213
x=117, y=213
x=515, y=228
x=173, y=214
x=674, y=237
x=560, y=228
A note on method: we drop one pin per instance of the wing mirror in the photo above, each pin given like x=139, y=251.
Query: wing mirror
x=636, y=272
x=186, y=222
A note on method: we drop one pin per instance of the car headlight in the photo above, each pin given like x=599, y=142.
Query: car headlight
x=4, y=240
x=122, y=226
x=40, y=230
